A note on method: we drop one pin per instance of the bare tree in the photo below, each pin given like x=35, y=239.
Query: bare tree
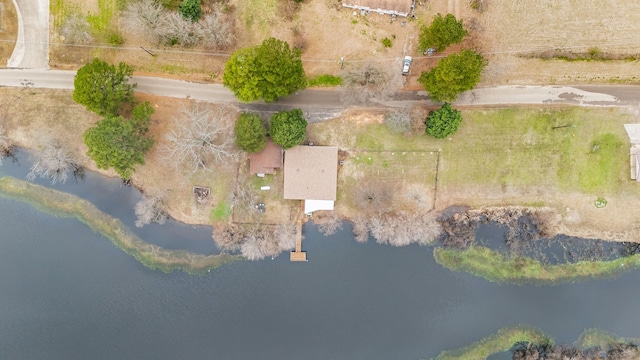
x=54, y=162
x=6, y=145
x=215, y=31
x=369, y=82
x=75, y=30
x=244, y=196
x=260, y=241
x=202, y=137
x=360, y=229
x=328, y=222
x=399, y=120
x=374, y=196
x=404, y=228
x=174, y=28
x=149, y=209
x=143, y=17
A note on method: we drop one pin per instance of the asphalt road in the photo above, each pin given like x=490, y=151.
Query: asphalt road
x=323, y=104
x=32, y=43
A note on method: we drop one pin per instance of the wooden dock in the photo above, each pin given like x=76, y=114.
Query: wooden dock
x=298, y=254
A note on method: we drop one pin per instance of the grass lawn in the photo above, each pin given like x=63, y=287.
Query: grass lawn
x=510, y=148
x=520, y=147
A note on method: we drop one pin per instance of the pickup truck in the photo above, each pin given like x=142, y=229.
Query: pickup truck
x=406, y=65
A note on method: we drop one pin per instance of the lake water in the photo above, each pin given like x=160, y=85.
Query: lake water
x=68, y=293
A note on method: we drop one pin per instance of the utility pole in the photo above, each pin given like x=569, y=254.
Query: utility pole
x=341, y=63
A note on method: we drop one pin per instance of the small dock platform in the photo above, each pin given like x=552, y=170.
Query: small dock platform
x=298, y=254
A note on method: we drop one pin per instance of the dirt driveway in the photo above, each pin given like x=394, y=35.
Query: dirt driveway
x=32, y=44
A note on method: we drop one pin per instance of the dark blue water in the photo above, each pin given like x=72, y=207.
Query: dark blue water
x=68, y=293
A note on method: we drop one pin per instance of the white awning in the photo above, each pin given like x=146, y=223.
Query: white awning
x=315, y=205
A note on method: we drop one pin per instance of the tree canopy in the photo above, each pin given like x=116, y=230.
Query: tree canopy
x=103, y=88
x=443, y=31
x=267, y=71
x=288, y=128
x=191, y=10
x=453, y=75
x=443, y=122
x=251, y=136
x=121, y=143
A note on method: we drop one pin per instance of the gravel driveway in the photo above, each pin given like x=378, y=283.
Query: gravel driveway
x=32, y=45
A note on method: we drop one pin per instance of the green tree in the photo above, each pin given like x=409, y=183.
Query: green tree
x=453, y=75
x=443, y=122
x=267, y=71
x=443, y=31
x=121, y=143
x=288, y=128
x=251, y=136
x=191, y=10
x=103, y=88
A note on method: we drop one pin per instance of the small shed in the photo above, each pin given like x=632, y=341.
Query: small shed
x=633, y=130
x=266, y=161
x=311, y=174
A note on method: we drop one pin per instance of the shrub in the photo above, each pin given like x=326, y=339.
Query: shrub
x=324, y=80
x=250, y=133
x=288, y=128
x=191, y=10
x=443, y=122
x=386, y=42
x=443, y=31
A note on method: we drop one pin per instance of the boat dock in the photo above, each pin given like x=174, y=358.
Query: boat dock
x=298, y=254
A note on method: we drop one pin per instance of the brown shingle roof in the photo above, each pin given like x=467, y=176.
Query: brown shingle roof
x=311, y=172
x=267, y=160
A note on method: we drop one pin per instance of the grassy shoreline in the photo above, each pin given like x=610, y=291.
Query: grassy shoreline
x=494, y=266
x=501, y=341
x=66, y=205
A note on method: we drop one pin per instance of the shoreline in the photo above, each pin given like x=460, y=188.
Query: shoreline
x=154, y=257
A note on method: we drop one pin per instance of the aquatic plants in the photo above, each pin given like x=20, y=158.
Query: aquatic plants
x=497, y=267
x=152, y=256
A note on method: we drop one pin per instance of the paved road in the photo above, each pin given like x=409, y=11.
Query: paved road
x=32, y=44
x=323, y=104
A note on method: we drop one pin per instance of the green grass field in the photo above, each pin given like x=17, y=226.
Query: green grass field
x=515, y=147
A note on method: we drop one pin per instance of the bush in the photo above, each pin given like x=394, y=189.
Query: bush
x=324, y=80
x=386, y=42
x=115, y=39
x=120, y=143
x=267, y=71
x=443, y=31
x=250, y=133
x=288, y=128
x=443, y=122
x=453, y=75
x=103, y=88
x=191, y=10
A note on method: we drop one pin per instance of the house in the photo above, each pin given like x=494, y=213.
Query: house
x=633, y=130
x=391, y=7
x=311, y=174
x=266, y=161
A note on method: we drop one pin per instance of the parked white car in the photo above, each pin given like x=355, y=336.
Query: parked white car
x=406, y=65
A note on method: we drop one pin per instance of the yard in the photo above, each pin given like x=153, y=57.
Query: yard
x=505, y=157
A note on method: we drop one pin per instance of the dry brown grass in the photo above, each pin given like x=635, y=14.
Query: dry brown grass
x=9, y=31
